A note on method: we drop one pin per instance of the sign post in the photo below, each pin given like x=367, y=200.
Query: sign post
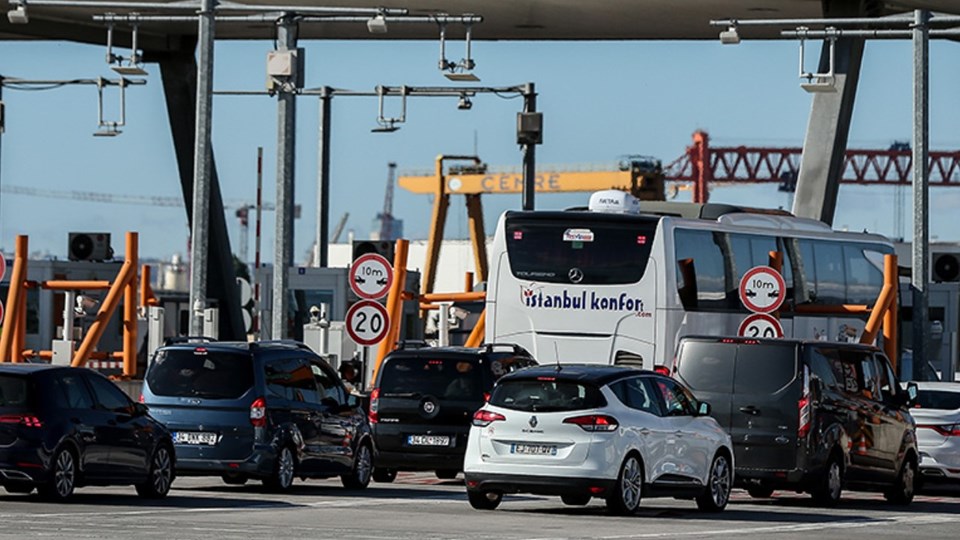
x=762, y=291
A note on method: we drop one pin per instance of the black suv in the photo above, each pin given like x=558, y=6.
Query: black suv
x=807, y=415
x=423, y=402
x=272, y=411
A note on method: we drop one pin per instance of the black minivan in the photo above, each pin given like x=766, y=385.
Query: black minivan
x=806, y=415
x=272, y=411
x=423, y=401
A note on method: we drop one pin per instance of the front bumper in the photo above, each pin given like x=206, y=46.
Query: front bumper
x=538, y=485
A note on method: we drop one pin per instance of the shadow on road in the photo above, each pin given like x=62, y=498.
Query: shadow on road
x=133, y=501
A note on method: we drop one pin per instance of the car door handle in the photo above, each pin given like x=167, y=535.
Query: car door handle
x=678, y=433
x=750, y=409
x=644, y=432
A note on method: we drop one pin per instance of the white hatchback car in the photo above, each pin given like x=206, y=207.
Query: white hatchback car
x=937, y=412
x=583, y=431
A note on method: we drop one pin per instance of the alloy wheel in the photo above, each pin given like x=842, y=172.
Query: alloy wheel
x=64, y=474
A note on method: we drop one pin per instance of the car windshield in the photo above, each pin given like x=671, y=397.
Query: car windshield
x=415, y=377
x=13, y=391
x=200, y=373
x=545, y=395
x=938, y=399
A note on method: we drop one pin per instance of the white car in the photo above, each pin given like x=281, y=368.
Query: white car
x=583, y=431
x=937, y=412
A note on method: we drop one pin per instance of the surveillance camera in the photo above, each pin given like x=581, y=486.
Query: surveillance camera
x=377, y=25
x=465, y=104
x=18, y=15
x=315, y=311
x=730, y=36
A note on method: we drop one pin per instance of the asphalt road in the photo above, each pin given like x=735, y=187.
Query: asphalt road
x=419, y=507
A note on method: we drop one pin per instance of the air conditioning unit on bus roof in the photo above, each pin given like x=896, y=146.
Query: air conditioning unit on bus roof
x=765, y=221
x=614, y=201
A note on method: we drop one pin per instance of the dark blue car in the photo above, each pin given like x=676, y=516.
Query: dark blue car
x=272, y=411
x=63, y=427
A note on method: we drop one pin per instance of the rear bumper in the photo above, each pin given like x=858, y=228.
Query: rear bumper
x=22, y=466
x=934, y=470
x=773, y=478
x=538, y=485
x=259, y=463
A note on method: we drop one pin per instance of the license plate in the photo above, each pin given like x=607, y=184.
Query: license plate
x=428, y=440
x=534, y=449
x=195, y=437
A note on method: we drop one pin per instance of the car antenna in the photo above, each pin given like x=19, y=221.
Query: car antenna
x=556, y=354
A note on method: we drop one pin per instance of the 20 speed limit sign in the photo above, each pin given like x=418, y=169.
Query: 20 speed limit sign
x=367, y=322
x=760, y=325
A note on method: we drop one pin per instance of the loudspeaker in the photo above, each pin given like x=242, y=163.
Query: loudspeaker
x=89, y=247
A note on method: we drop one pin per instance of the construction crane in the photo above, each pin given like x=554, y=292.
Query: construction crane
x=338, y=230
x=390, y=228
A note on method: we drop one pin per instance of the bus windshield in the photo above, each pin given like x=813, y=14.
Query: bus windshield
x=589, y=250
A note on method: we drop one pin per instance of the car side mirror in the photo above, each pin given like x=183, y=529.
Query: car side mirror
x=139, y=409
x=330, y=403
x=912, y=393
x=353, y=401
x=703, y=409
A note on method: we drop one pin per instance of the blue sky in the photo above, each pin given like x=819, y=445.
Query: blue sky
x=600, y=100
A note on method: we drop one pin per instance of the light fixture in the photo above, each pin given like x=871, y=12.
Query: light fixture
x=456, y=71
x=133, y=66
x=107, y=131
x=385, y=128
x=377, y=24
x=825, y=81
x=388, y=124
x=464, y=104
x=18, y=15
x=730, y=36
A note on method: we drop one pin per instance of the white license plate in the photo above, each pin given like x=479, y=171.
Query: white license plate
x=534, y=449
x=428, y=440
x=195, y=437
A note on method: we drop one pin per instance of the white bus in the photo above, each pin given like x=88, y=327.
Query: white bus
x=621, y=281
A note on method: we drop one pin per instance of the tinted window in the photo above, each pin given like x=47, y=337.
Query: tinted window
x=606, y=251
x=701, y=274
x=77, y=395
x=831, y=273
x=200, y=373
x=764, y=369
x=636, y=393
x=546, y=396
x=707, y=367
x=108, y=395
x=292, y=379
x=938, y=399
x=452, y=378
x=502, y=366
x=864, y=277
x=13, y=391
x=328, y=385
x=674, y=401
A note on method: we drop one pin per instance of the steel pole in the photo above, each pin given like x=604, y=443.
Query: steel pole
x=202, y=158
x=286, y=139
x=921, y=189
x=529, y=151
x=323, y=180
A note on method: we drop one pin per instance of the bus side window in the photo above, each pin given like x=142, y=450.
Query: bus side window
x=705, y=270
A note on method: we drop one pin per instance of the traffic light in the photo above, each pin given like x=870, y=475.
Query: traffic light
x=380, y=247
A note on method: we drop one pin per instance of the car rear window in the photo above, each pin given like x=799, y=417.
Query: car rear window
x=938, y=399
x=707, y=367
x=451, y=378
x=764, y=369
x=200, y=373
x=541, y=395
x=13, y=391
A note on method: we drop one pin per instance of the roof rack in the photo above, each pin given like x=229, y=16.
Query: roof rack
x=187, y=339
x=517, y=349
x=283, y=342
x=412, y=344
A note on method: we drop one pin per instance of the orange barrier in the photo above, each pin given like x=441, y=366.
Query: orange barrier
x=881, y=313
x=67, y=285
x=15, y=295
x=394, y=303
x=453, y=297
x=476, y=335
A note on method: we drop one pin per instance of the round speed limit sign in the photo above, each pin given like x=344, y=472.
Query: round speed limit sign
x=367, y=322
x=760, y=325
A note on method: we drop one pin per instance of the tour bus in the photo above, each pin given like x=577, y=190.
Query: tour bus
x=621, y=281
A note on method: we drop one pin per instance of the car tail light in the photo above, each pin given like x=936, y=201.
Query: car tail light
x=483, y=418
x=662, y=370
x=23, y=420
x=258, y=412
x=949, y=430
x=804, y=407
x=594, y=422
x=486, y=397
x=374, y=406
x=141, y=400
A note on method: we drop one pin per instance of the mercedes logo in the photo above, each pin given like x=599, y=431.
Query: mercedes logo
x=575, y=275
x=533, y=421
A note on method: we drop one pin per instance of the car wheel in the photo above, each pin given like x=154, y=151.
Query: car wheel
x=63, y=477
x=359, y=477
x=234, y=479
x=575, y=500
x=485, y=500
x=160, y=476
x=384, y=476
x=447, y=474
x=284, y=471
x=760, y=492
x=902, y=491
x=830, y=486
x=717, y=493
x=624, y=500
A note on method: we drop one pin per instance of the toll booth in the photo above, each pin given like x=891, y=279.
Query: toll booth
x=45, y=308
x=316, y=287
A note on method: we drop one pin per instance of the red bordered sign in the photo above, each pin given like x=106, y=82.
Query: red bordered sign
x=762, y=289
x=760, y=325
x=367, y=322
x=371, y=276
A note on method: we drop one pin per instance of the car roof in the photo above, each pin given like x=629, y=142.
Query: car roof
x=597, y=374
x=238, y=346
x=939, y=385
x=27, y=369
x=457, y=351
x=780, y=341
